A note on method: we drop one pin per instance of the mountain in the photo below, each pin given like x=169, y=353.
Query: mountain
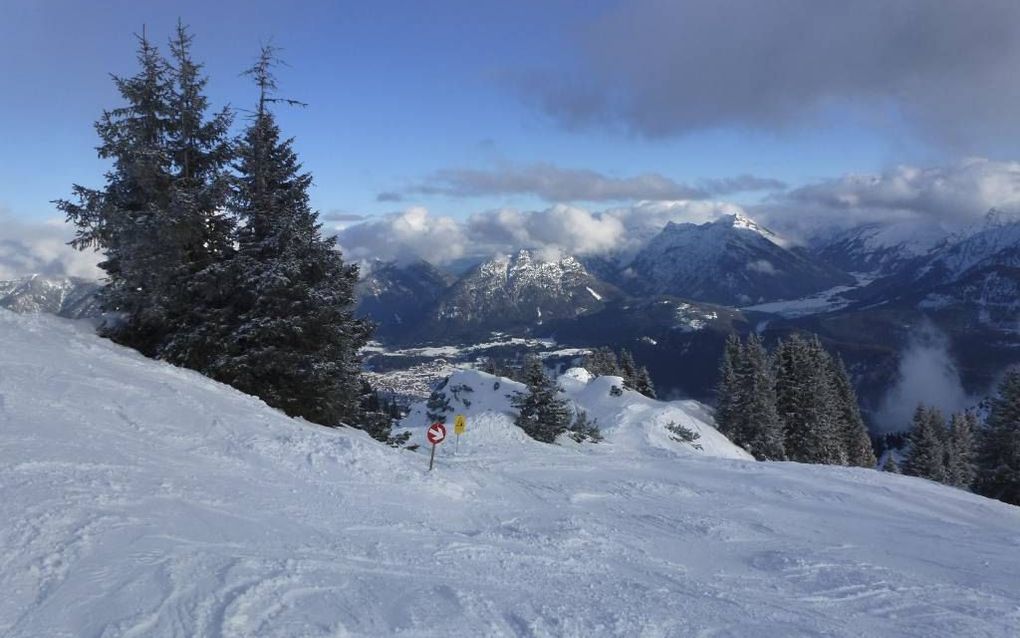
x=394, y=295
x=732, y=261
x=976, y=267
x=878, y=248
x=519, y=290
x=64, y=296
x=140, y=499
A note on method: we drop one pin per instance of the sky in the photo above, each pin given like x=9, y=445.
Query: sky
x=445, y=125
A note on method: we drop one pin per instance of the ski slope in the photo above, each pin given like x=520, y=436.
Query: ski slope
x=140, y=499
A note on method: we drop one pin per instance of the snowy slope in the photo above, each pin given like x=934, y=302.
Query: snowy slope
x=630, y=422
x=143, y=500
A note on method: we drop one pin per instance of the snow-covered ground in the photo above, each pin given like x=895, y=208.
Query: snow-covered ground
x=139, y=499
x=824, y=301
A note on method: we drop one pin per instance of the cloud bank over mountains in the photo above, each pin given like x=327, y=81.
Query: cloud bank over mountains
x=659, y=68
x=948, y=197
x=41, y=248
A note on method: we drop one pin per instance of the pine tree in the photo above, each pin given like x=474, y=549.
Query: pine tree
x=729, y=389
x=759, y=429
x=859, y=451
x=960, y=470
x=195, y=283
x=293, y=338
x=628, y=369
x=805, y=400
x=926, y=457
x=643, y=383
x=602, y=362
x=128, y=218
x=999, y=446
x=890, y=464
x=584, y=429
x=544, y=415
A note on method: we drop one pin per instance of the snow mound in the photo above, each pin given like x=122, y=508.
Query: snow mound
x=139, y=499
x=630, y=422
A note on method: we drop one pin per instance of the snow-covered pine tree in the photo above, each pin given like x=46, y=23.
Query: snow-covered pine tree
x=999, y=445
x=628, y=370
x=859, y=451
x=805, y=400
x=438, y=405
x=759, y=430
x=729, y=389
x=544, y=415
x=195, y=284
x=585, y=429
x=960, y=451
x=602, y=362
x=926, y=457
x=643, y=383
x=293, y=338
x=126, y=219
x=890, y=464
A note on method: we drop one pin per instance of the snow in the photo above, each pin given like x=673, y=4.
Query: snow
x=825, y=301
x=594, y=294
x=139, y=499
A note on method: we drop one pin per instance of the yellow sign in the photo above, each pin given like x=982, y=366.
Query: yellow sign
x=460, y=424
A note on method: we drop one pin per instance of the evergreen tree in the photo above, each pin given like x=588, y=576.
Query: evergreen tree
x=759, y=429
x=195, y=284
x=438, y=405
x=859, y=451
x=585, y=429
x=602, y=362
x=729, y=389
x=544, y=415
x=999, y=447
x=293, y=338
x=628, y=370
x=960, y=470
x=890, y=464
x=805, y=400
x=926, y=457
x=643, y=383
x=130, y=217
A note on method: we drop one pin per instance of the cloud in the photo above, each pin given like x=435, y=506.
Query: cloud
x=660, y=67
x=928, y=375
x=559, y=229
x=741, y=184
x=389, y=196
x=951, y=195
x=412, y=234
x=41, y=248
x=553, y=184
x=341, y=216
x=559, y=185
x=762, y=266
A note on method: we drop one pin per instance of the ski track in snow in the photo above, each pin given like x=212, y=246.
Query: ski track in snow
x=144, y=500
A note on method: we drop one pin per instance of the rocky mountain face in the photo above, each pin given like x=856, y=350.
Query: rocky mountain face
x=67, y=297
x=521, y=289
x=732, y=261
x=397, y=296
x=879, y=249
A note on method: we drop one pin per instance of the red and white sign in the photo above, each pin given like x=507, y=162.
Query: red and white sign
x=436, y=433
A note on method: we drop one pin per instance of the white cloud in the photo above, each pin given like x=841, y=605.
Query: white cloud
x=560, y=229
x=951, y=195
x=28, y=248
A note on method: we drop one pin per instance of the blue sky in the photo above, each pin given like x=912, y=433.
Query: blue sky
x=454, y=128
x=396, y=91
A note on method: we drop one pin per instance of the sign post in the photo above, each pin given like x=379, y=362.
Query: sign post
x=459, y=426
x=435, y=435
